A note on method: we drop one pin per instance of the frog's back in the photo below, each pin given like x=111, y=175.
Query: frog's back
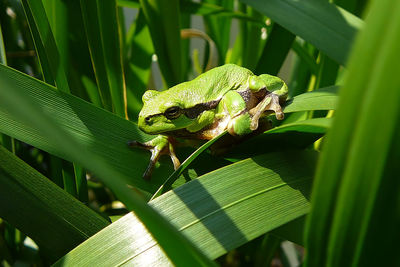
x=210, y=86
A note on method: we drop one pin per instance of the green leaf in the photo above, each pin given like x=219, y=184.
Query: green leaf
x=303, y=67
x=328, y=27
x=138, y=63
x=305, y=56
x=51, y=214
x=24, y=108
x=65, y=18
x=51, y=59
x=295, y=135
x=46, y=44
x=204, y=8
x=320, y=99
x=218, y=28
x=218, y=211
x=355, y=215
x=318, y=125
x=57, y=16
x=102, y=31
x=102, y=132
x=201, y=9
x=249, y=42
x=46, y=69
x=163, y=19
x=129, y=3
x=3, y=58
x=275, y=50
x=172, y=178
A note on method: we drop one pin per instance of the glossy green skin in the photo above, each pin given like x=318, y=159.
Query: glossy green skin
x=218, y=84
x=222, y=87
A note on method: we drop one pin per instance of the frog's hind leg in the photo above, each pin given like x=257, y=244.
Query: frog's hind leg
x=270, y=102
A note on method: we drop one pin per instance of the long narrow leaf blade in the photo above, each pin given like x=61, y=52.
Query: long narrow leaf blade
x=3, y=58
x=138, y=64
x=100, y=131
x=275, y=50
x=163, y=18
x=51, y=215
x=263, y=193
x=103, y=133
x=101, y=25
x=328, y=27
x=23, y=107
x=47, y=47
x=356, y=174
x=320, y=99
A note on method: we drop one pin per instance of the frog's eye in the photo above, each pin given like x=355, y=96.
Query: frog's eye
x=173, y=113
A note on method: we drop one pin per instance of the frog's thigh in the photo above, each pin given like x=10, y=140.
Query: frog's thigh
x=240, y=125
x=235, y=105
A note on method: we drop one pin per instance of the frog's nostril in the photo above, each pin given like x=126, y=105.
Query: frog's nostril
x=147, y=119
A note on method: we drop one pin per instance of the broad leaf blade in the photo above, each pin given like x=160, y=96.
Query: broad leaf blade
x=172, y=178
x=218, y=212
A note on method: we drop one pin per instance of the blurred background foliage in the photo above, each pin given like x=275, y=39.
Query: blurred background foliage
x=72, y=75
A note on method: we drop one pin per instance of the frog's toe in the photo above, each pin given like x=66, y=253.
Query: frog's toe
x=173, y=157
x=149, y=171
x=158, y=146
x=156, y=152
x=155, y=155
x=269, y=103
x=132, y=143
x=276, y=107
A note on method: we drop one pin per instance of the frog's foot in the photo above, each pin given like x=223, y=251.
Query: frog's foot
x=270, y=102
x=161, y=145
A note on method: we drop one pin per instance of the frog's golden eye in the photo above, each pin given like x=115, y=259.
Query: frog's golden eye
x=173, y=113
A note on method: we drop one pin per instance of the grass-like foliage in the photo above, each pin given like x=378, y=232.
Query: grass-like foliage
x=72, y=75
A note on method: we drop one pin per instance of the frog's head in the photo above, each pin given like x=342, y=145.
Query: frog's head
x=162, y=112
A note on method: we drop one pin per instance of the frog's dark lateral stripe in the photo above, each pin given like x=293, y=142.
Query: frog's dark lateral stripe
x=194, y=111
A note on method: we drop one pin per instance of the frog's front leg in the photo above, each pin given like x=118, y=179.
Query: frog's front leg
x=161, y=145
x=277, y=92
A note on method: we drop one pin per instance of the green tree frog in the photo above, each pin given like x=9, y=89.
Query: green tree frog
x=229, y=98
